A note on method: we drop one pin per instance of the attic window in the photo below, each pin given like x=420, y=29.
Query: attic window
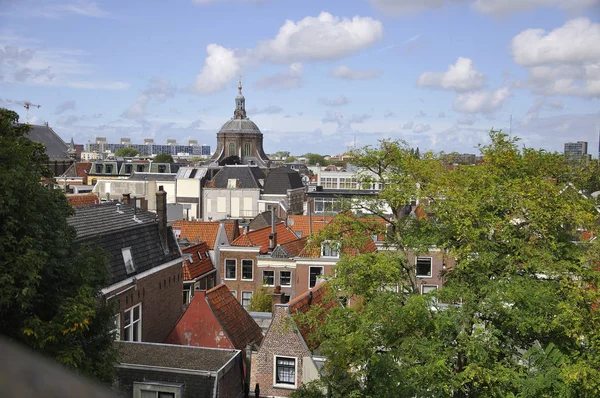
x=162, y=168
x=128, y=168
x=109, y=168
x=329, y=249
x=140, y=168
x=206, y=254
x=200, y=256
x=231, y=183
x=128, y=259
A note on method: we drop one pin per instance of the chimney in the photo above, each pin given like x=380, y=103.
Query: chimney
x=161, y=212
x=273, y=236
x=127, y=198
x=276, y=298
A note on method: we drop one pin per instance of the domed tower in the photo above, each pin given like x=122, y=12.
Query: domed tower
x=240, y=141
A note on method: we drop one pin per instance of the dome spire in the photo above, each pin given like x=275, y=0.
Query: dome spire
x=240, y=103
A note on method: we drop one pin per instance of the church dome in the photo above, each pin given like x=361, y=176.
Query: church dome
x=239, y=126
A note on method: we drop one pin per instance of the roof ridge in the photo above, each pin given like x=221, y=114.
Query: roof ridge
x=305, y=294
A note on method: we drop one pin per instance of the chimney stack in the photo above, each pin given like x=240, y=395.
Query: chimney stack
x=273, y=236
x=161, y=212
x=276, y=298
x=127, y=198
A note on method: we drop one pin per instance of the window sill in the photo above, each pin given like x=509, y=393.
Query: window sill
x=230, y=279
x=285, y=386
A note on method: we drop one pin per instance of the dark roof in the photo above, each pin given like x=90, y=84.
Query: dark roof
x=152, y=176
x=241, y=328
x=101, y=224
x=56, y=148
x=281, y=179
x=246, y=176
x=173, y=356
x=290, y=249
x=239, y=126
x=262, y=220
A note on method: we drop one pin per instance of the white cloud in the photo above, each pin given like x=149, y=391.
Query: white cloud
x=290, y=79
x=221, y=65
x=504, y=7
x=159, y=90
x=347, y=73
x=461, y=76
x=481, y=101
x=493, y=7
x=65, y=106
x=324, y=37
x=408, y=126
x=339, y=101
x=466, y=120
x=421, y=128
x=565, y=61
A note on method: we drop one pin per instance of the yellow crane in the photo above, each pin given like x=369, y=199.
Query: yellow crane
x=26, y=105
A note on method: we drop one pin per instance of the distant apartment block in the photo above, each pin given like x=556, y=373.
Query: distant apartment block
x=576, y=149
x=149, y=147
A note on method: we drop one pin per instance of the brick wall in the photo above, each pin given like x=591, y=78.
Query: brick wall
x=161, y=295
x=438, y=259
x=238, y=284
x=281, y=339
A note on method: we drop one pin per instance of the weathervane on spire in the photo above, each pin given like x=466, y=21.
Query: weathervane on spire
x=240, y=85
x=240, y=103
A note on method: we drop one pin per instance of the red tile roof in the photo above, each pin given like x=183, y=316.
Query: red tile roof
x=83, y=199
x=200, y=264
x=235, y=320
x=205, y=231
x=260, y=237
x=82, y=169
x=302, y=224
x=294, y=247
x=317, y=296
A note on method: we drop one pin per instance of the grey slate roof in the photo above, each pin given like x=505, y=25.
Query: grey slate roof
x=101, y=224
x=247, y=176
x=281, y=179
x=152, y=176
x=262, y=220
x=56, y=148
x=174, y=356
x=239, y=126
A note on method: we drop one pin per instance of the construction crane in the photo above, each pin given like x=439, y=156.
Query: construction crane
x=26, y=105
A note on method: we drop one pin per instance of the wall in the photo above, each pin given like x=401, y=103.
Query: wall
x=238, y=285
x=189, y=191
x=438, y=259
x=212, y=194
x=302, y=272
x=161, y=297
x=277, y=265
x=281, y=339
x=195, y=385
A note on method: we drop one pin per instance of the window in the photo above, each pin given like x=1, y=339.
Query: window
x=329, y=249
x=140, y=168
x=231, y=149
x=313, y=275
x=285, y=278
x=232, y=183
x=247, y=268
x=221, y=204
x=162, y=168
x=268, y=278
x=234, y=293
x=230, y=268
x=128, y=168
x=109, y=168
x=99, y=168
x=423, y=265
x=187, y=294
x=428, y=289
x=157, y=390
x=128, y=259
x=285, y=371
x=247, y=149
x=117, y=326
x=246, y=297
x=132, y=326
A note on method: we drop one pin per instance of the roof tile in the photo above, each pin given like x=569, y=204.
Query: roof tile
x=200, y=264
x=260, y=237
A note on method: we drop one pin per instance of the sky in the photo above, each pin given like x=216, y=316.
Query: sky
x=318, y=75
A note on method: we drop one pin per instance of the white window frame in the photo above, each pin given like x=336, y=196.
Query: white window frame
x=242, y=270
x=128, y=260
x=234, y=268
x=117, y=327
x=435, y=287
x=250, y=299
x=322, y=274
x=130, y=309
x=329, y=244
x=285, y=385
x=281, y=283
x=176, y=389
x=430, y=265
x=263, y=278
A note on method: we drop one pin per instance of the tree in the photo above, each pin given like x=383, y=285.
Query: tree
x=315, y=159
x=127, y=152
x=520, y=317
x=261, y=300
x=49, y=295
x=163, y=158
x=291, y=159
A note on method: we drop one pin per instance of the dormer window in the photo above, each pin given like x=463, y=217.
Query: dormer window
x=109, y=168
x=162, y=168
x=140, y=168
x=330, y=249
x=99, y=168
x=232, y=183
x=128, y=259
x=128, y=169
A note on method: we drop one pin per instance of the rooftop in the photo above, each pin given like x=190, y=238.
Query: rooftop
x=205, y=231
x=260, y=237
x=200, y=262
x=82, y=199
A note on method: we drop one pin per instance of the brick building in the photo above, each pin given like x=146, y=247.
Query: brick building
x=199, y=272
x=145, y=263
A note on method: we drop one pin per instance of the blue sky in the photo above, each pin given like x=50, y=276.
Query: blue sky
x=317, y=75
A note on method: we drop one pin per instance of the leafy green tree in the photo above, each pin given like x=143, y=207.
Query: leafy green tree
x=163, y=158
x=521, y=314
x=127, y=152
x=261, y=300
x=291, y=159
x=49, y=295
x=316, y=159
